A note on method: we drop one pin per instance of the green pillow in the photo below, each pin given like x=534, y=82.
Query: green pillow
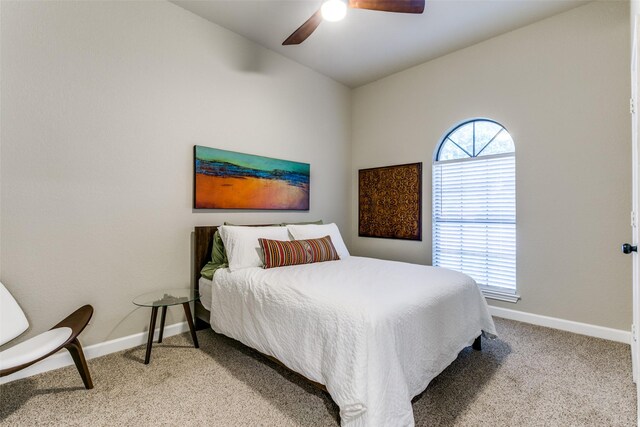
x=218, y=258
x=218, y=254
x=208, y=270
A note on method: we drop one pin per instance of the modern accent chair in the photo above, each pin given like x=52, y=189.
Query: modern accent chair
x=13, y=322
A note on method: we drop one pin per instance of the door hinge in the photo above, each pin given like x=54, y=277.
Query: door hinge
x=633, y=219
x=634, y=336
x=632, y=106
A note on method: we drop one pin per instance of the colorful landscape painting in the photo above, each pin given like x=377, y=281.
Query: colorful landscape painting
x=230, y=180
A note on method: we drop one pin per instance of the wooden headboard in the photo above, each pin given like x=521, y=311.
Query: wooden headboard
x=203, y=245
x=203, y=242
x=202, y=249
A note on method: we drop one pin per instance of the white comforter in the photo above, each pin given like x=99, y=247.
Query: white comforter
x=374, y=332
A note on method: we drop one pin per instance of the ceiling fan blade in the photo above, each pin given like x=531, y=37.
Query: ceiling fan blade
x=304, y=30
x=402, y=6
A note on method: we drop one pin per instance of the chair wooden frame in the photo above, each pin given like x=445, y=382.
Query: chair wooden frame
x=76, y=321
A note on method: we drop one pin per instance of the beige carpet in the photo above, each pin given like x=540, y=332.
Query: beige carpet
x=530, y=376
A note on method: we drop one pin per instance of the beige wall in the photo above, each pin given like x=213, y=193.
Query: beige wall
x=561, y=87
x=102, y=103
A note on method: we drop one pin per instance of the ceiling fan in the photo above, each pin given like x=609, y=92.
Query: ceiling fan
x=335, y=10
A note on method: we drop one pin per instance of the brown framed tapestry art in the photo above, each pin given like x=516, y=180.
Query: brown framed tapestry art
x=390, y=202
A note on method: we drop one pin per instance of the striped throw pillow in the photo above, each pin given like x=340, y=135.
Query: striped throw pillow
x=278, y=253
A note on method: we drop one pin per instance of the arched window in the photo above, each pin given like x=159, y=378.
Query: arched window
x=474, y=205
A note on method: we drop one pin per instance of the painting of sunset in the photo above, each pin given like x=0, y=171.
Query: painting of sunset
x=230, y=180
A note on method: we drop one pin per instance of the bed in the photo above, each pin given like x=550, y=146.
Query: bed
x=372, y=333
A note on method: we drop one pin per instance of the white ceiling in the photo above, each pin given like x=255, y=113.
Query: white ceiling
x=368, y=45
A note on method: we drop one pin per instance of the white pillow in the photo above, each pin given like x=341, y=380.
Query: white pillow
x=315, y=231
x=242, y=246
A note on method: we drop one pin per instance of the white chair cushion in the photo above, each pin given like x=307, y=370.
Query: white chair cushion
x=34, y=348
x=12, y=320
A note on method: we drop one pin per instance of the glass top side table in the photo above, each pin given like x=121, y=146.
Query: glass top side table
x=162, y=299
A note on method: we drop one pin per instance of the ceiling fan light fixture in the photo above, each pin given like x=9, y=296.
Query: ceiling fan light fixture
x=333, y=10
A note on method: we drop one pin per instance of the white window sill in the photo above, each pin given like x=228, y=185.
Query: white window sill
x=500, y=295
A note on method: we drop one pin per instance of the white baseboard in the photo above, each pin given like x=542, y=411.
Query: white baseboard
x=564, y=325
x=63, y=358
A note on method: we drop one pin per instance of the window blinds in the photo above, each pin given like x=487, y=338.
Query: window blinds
x=474, y=219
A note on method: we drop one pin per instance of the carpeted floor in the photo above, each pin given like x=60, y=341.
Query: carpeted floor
x=530, y=376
